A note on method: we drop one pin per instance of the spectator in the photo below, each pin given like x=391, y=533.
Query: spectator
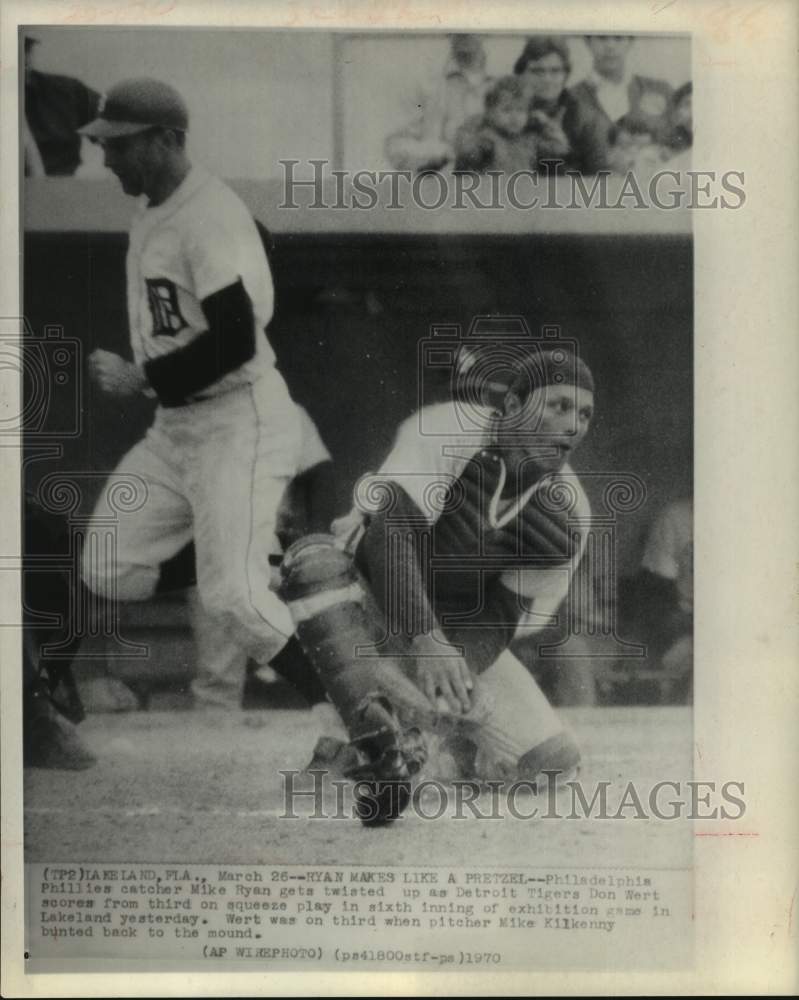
x=427, y=142
x=634, y=148
x=613, y=92
x=55, y=108
x=566, y=129
x=498, y=139
x=680, y=134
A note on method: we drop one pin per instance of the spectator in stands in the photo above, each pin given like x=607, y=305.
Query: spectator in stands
x=427, y=142
x=566, y=129
x=55, y=108
x=613, y=92
x=498, y=139
x=633, y=148
x=680, y=135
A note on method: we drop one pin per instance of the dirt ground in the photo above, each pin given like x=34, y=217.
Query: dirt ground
x=204, y=787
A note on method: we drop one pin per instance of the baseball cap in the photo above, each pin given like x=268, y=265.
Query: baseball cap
x=135, y=105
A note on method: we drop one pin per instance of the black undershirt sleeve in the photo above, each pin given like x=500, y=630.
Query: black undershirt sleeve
x=227, y=344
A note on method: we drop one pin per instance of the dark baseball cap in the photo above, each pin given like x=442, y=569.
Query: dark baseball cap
x=135, y=105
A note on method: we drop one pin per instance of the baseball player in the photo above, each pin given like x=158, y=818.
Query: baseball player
x=225, y=438
x=441, y=587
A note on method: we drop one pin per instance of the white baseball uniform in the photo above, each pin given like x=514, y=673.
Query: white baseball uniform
x=226, y=436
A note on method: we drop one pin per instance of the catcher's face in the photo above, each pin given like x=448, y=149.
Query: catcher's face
x=545, y=429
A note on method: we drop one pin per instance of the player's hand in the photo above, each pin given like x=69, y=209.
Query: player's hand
x=446, y=677
x=114, y=375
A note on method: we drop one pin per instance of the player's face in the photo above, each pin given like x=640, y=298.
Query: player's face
x=135, y=160
x=555, y=419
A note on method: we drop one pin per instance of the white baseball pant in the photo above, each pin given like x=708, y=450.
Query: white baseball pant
x=215, y=471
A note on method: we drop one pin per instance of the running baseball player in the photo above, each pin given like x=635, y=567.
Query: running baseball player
x=226, y=435
x=440, y=587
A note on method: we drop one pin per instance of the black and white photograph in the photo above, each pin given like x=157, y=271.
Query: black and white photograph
x=361, y=412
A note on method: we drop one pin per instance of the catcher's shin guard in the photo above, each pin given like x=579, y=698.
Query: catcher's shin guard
x=335, y=618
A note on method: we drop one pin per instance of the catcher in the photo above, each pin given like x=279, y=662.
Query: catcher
x=468, y=535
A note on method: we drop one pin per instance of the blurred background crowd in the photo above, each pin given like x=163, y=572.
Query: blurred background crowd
x=532, y=119
x=459, y=102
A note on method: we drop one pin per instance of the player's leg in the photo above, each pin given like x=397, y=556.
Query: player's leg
x=221, y=662
x=222, y=678
x=517, y=732
x=520, y=735
x=338, y=625
x=141, y=519
x=307, y=505
x=338, y=601
x=243, y=455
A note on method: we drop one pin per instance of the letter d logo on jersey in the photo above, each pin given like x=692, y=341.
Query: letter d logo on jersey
x=163, y=297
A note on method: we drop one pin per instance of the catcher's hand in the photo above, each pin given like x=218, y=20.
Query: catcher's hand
x=443, y=677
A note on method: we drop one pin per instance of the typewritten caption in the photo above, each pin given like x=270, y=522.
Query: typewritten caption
x=288, y=916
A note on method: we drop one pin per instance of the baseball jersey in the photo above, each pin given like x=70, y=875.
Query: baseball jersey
x=483, y=531
x=201, y=240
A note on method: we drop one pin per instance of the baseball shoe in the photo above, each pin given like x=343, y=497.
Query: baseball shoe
x=52, y=742
x=389, y=759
